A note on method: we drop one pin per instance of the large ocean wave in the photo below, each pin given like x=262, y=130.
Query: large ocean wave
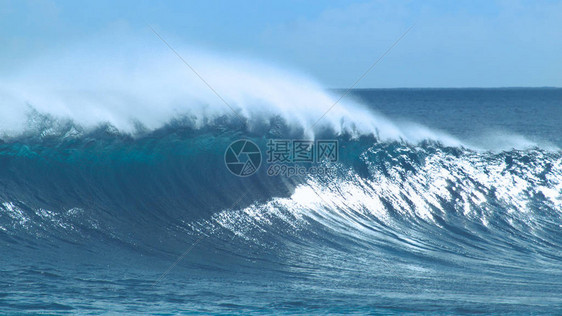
x=130, y=156
x=172, y=183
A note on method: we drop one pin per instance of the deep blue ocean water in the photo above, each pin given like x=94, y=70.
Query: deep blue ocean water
x=102, y=222
x=475, y=114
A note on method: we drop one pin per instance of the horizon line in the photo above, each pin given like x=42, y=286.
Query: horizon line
x=429, y=88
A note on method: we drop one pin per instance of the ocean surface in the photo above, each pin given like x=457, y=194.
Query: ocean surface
x=452, y=204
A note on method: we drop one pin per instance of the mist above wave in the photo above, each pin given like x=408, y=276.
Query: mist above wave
x=138, y=84
x=131, y=85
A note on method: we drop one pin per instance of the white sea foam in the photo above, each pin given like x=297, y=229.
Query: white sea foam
x=142, y=81
x=132, y=83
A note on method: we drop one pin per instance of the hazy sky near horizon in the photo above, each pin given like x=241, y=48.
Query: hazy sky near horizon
x=452, y=44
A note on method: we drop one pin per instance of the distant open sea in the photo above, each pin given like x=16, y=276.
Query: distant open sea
x=467, y=219
x=476, y=115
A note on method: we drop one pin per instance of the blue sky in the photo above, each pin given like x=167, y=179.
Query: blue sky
x=453, y=43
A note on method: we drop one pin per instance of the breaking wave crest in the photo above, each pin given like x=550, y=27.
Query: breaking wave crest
x=128, y=151
x=172, y=184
